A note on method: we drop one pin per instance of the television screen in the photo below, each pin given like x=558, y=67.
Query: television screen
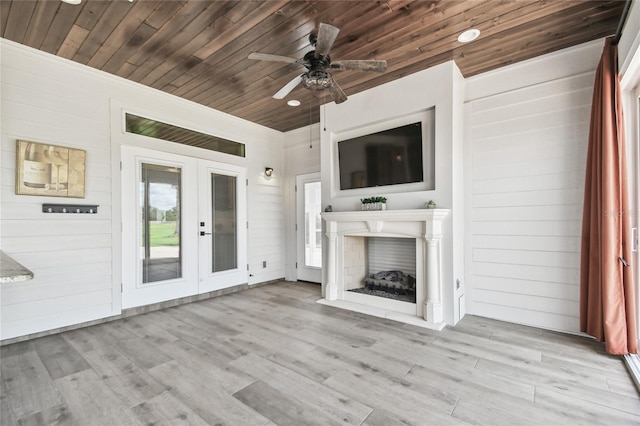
x=389, y=157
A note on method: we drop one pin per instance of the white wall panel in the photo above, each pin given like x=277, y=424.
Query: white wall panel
x=526, y=146
x=302, y=156
x=76, y=258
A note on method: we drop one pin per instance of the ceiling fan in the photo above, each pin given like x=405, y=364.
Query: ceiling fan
x=318, y=63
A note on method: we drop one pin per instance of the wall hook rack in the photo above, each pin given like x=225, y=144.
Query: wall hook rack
x=70, y=208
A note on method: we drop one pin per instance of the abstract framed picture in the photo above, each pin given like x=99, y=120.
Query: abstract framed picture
x=49, y=170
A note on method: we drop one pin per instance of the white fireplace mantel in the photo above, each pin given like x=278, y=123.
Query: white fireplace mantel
x=424, y=225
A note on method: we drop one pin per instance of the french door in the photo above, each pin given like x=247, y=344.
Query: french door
x=309, y=227
x=183, y=227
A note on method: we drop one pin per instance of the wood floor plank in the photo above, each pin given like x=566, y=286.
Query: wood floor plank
x=147, y=325
x=381, y=417
x=360, y=360
x=282, y=409
x=59, y=415
x=465, y=381
x=59, y=357
x=143, y=352
x=581, y=411
x=507, y=353
x=209, y=324
x=538, y=374
x=298, y=363
x=205, y=342
x=126, y=380
x=425, y=355
x=629, y=404
x=397, y=396
x=29, y=387
x=6, y=413
x=209, y=366
x=93, y=402
x=211, y=401
x=489, y=410
x=623, y=386
x=608, y=367
x=165, y=409
x=331, y=403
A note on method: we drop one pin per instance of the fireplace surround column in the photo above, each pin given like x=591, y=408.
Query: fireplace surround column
x=432, y=309
x=331, y=292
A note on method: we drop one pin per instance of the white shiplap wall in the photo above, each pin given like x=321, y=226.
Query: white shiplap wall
x=70, y=255
x=76, y=258
x=526, y=148
x=302, y=156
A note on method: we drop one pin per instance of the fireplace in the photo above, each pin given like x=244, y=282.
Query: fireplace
x=381, y=267
x=415, y=233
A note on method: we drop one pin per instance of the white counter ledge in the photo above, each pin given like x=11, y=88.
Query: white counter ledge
x=11, y=271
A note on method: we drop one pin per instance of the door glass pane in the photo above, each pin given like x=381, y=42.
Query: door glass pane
x=160, y=209
x=224, y=219
x=312, y=225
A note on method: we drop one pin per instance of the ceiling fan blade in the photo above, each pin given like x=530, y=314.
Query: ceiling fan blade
x=327, y=35
x=272, y=58
x=280, y=94
x=336, y=92
x=360, y=65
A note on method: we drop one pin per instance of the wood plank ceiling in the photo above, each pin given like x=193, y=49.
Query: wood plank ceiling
x=198, y=49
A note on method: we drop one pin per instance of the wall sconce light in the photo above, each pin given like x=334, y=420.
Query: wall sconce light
x=268, y=171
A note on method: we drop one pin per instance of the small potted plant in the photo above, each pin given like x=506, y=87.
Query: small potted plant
x=374, y=203
x=430, y=204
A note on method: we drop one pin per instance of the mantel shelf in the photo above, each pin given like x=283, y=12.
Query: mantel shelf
x=387, y=215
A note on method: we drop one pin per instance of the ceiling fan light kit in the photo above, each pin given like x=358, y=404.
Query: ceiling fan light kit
x=318, y=63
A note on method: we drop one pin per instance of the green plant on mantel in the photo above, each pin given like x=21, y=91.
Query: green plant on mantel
x=374, y=203
x=371, y=200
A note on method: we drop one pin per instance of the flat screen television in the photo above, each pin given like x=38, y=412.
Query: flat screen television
x=388, y=157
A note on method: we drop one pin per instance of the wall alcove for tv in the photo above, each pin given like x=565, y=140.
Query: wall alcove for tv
x=393, y=156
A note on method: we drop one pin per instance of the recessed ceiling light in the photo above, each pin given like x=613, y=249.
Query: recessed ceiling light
x=468, y=36
x=72, y=1
x=293, y=103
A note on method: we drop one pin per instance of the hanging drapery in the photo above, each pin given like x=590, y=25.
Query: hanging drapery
x=607, y=300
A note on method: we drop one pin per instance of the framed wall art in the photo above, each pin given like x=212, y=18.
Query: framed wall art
x=49, y=170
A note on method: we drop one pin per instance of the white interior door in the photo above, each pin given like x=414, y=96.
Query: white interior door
x=174, y=210
x=223, y=223
x=309, y=227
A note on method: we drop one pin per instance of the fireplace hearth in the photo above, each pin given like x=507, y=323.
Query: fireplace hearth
x=407, y=296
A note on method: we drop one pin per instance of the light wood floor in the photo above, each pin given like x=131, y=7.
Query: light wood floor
x=270, y=355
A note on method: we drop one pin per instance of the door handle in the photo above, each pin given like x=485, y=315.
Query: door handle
x=202, y=233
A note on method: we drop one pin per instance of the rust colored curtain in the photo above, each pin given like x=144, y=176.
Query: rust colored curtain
x=607, y=301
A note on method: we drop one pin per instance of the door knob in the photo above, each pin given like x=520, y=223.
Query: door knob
x=202, y=233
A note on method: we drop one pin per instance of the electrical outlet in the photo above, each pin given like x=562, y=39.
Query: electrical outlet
x=264, y=263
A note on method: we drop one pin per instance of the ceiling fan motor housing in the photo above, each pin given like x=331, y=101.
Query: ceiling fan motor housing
x=316, y=79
